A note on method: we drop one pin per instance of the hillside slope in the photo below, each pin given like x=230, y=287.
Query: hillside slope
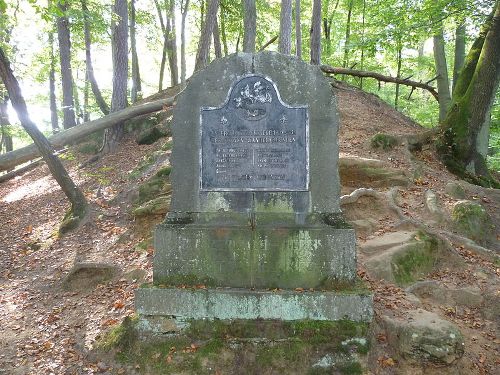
x=52, y=311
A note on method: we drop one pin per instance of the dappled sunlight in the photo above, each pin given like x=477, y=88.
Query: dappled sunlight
x=36, y=188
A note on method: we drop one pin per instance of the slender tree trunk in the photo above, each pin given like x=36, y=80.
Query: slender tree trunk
x=135, y=92
x=298, y=31
x=328, y=28
x=217, y=42
x=74, y=194
x=206, y=35
x=443, y=81
x=316, y=33
x=52, y=87
x=347, y=34
x=66, y=74
x=362, y=43
x=4, y=123
x=184, y=10
x=172, y=45
x=459, y=52
x=249, y=25
x=78, y=108
x=465, y=130
x=223, y=29
x=396, y=98
x=103, y=106
x=165, y=29
x=86, y=113
x=285, y=42
x=119, y=46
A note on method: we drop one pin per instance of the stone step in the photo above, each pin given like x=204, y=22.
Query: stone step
x=388, y=240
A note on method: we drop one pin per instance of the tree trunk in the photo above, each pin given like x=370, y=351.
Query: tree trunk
x=249, y=25
x=65, y=137
x=285, y=42
x=206, y=35
x=4, y=123
x=217, y=43
x=328, y=27
x=398, y=75
x=347, y=34
x=362, y=62
x=223, y=30
x=298, y=31
x=443, y=81
x=184, y=10
x=86, y=113
x=74, y=194
x=316, y=33
x=380, y=77
x=78, y=108
x=459, y=52
x=465, y=130
x=165, y=29
x=135, y=92
x=103, y=106
x=119, y=46
x=52, y=87
x=172, y=44
x=66, y=74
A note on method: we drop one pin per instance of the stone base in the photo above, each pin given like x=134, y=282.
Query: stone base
x=232, y=304
x=266, y=256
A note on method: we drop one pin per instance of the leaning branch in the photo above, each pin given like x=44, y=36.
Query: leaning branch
x=380, y=77
x=59, y=140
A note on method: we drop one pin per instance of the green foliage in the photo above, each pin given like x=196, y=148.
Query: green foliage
x=384, y=141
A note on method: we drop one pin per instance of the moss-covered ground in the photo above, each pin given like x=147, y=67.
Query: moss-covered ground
x=244, y=347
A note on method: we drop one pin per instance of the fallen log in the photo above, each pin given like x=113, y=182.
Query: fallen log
x=61, y=139
x=380, y=77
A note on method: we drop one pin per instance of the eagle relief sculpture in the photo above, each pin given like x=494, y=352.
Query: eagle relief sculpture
x=253, y=100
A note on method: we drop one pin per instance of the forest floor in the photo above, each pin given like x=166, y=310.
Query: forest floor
x=48, y=328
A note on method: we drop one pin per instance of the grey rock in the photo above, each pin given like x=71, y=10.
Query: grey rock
x=437, y=292
x=473, y=221
x=455, y=190
x=425, y=337
x=85, y=276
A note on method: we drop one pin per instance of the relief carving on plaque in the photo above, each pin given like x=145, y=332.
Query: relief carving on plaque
x=254, y=141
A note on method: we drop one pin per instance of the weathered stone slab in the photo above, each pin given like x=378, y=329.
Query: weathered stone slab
x=227, y=304
x=266, y=256
x=299, y=84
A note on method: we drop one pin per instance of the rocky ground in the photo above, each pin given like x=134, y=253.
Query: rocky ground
x=428, y=247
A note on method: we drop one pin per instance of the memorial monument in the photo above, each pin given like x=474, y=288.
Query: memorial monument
x=255, y=219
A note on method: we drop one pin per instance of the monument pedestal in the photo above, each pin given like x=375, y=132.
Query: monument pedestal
x=255, y=229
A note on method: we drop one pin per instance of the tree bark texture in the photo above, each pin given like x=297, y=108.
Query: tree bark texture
x=217, y=43
x=74, y=194
x=249, y=25
x=206, y=35
x=4, y=123
x=184, y=10
x=398, y=75
x=103, y=106
x=119, y=47
x=165, y=29
x=285, y=42
x=172, y=44
x=443, y=81
x=66, y=73
x=459, y=52
x=465, y=131
x=298, y=31
x=316, y=33
x=52, y=87
x=380, y=77
x=65, y=137
x=136, y=89
x=347, y=34
x=223, y=29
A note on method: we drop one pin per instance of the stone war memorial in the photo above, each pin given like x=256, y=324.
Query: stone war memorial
x=255, y=217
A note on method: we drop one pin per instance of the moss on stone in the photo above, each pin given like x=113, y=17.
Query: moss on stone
x=384, y=141
x=471, y=219
x=417, y=262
